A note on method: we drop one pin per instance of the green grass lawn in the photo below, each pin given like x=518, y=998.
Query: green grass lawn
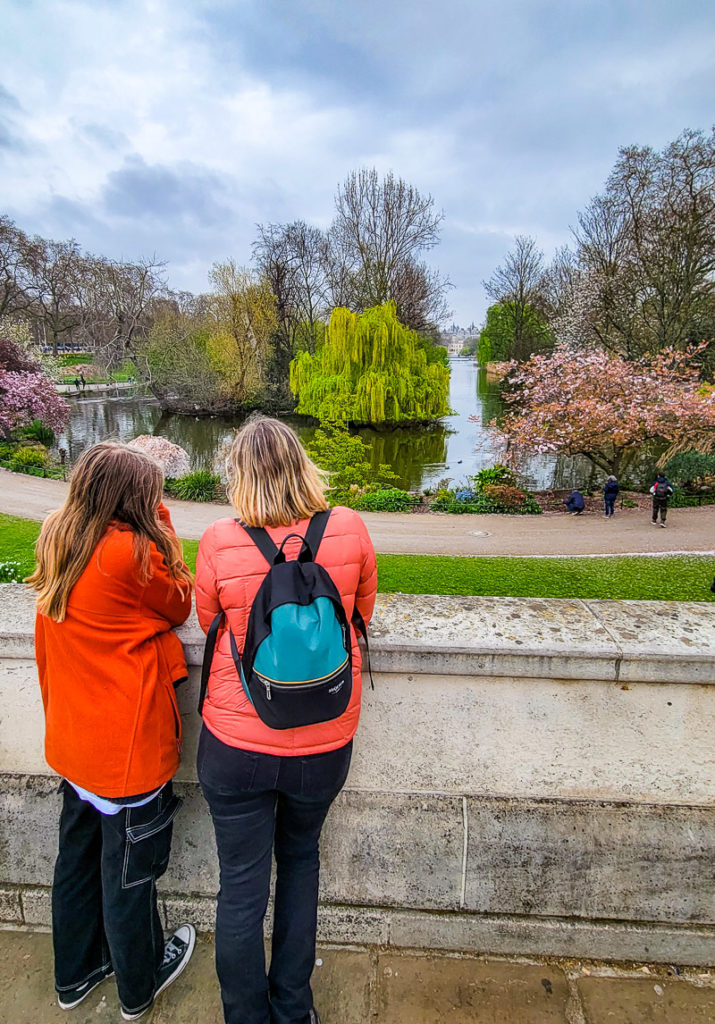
x=17, y=537
x=661, y=578
x=190, y=549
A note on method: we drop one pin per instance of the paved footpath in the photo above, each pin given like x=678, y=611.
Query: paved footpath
x=630, y=531
x=357, y=986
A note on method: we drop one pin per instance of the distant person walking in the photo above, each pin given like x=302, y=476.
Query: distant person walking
x=575, y=503
x=83, y=382
x=610, y=493
x=661, y=491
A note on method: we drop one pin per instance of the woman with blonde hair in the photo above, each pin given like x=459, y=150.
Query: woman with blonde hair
x=283, y=576
x=111, y=583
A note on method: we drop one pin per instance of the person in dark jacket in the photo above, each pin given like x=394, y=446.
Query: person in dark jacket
x=610, y=493
x=575, y=503
x=661, y=491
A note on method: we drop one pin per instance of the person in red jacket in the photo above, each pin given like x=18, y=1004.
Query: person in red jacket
x=111, y=583
x=269, y=790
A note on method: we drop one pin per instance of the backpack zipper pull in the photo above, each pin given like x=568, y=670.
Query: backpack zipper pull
x=268, y=689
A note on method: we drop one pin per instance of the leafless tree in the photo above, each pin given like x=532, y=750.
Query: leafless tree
x=560, y=280
x=15, y=295
x=53, y=273
x=293, y=259
x=419, y=295
x=604, y=307
x=646, y=250
x=521, y=283
x=116, y=300
x=380, y=229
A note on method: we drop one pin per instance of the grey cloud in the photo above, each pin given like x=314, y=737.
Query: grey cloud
x=184, y=192
x=10, y=139
x=69, y=217
x=7, y=99
x=528, y=100
x=103, y=135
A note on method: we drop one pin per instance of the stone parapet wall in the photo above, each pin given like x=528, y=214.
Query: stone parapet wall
x=529, y=777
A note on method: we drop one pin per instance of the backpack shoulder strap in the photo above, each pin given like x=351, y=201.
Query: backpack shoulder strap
x=360, y=628
x=263, y=541
x=208, y=657
x=315, y=531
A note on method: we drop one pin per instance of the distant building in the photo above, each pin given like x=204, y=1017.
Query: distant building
x=455, y=338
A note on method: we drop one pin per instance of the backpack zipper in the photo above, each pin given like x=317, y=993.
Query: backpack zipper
x=267, y=683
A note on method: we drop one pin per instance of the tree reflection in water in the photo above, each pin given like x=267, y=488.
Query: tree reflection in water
x=455, y=447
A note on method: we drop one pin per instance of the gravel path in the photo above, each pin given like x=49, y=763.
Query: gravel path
x=629, y=532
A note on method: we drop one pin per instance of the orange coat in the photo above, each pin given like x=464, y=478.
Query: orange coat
x=107, y=673
x=229, y=571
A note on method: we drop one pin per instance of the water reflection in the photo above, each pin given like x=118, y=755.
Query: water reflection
x=455, y=447
x=102, y=418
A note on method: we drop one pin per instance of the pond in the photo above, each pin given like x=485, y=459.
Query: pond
x=455, y=447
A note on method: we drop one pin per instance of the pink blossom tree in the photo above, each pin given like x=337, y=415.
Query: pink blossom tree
x=26, y=393
x=604, y=407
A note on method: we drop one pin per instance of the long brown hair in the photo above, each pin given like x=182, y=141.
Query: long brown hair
x=271, y=481
x=110, y=482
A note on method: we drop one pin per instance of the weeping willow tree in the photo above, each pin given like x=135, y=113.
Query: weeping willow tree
x=370, y=369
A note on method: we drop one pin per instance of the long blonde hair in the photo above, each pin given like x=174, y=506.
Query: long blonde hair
x=271, y=480
x=109, y=482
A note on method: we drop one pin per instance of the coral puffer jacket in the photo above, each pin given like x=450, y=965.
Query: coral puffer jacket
x=107, y=673
x=229, y=571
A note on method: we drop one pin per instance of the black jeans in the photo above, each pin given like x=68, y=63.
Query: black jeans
x=259, y=803
x=660, y=505
x=104, y=913
x=610, y=502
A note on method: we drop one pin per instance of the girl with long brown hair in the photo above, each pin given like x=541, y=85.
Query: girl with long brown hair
x=111, y=583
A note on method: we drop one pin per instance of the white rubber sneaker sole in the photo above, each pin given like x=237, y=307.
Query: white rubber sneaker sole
x=187, y=934
x=86, y=990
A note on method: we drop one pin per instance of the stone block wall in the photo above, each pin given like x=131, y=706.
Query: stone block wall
x=529, y=777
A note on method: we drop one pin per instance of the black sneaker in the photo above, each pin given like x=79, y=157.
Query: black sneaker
x=314, y=1018
x=72, y=997
x=177, y=953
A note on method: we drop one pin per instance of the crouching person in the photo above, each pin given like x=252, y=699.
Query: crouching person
x=111, y=582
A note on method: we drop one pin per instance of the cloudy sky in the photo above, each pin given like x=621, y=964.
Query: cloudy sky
x=172, y=127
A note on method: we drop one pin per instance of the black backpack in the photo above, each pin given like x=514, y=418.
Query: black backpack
x=661, y=488
x=296, y=664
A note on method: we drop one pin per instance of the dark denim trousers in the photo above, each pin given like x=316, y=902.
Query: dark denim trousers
x=260, y=804
x=104, y=913
x=610, y=502
x=660, y=505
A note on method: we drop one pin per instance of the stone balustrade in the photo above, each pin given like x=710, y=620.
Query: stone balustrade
x=529, y=777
